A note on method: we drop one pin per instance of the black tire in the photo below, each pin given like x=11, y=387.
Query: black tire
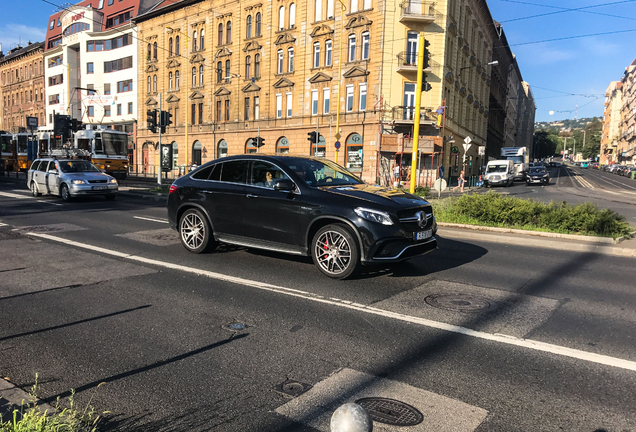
x=65, y=193
x=34, y=189
x=335, y=251
x=195, y=232
x=110, y=197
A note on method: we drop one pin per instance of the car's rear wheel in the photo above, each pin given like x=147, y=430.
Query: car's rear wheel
x=335, y=251
x=65, y=193
x=34, y=189
x=195, y=232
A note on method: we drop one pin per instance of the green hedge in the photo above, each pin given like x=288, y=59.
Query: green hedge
x=493, y=209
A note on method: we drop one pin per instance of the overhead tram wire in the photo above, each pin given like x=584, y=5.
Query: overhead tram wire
x=564, y=10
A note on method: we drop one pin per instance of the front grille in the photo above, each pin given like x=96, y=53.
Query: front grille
x=97, y=181
x=409, y=219
x=495, y=178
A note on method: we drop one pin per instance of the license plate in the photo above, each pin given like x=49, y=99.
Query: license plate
x=423, y=234
x=100, y=187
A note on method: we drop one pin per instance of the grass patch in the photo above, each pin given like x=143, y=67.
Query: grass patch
x=67, y=417
x=421, y=191
x=160, y=189
x=495, y=210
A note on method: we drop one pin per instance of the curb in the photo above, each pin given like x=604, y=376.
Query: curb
x=17, y=399
x=153, y=196
x=576, y=237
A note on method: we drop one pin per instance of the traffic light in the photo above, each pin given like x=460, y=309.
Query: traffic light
x=75, y=125
x=260, y=142
x=312, y=137
x=425, y=85
x=61, y=126
x=165, y=120
x=151, y=119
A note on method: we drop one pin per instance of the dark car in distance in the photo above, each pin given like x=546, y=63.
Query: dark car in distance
x=538, y=175
x=299, y=205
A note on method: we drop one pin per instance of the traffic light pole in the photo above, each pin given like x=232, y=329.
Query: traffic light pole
x=160, y=150
x=318, y=138
x=418, y=103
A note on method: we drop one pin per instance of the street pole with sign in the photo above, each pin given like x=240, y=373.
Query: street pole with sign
x=418, y=103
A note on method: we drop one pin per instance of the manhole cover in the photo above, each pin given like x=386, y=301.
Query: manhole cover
x=460, y=302
x=391, y=411
x=292, y=388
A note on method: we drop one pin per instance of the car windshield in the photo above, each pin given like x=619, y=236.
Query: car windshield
x=538, y=170
x=321, y=172
x=497, y=168
x=77, y=166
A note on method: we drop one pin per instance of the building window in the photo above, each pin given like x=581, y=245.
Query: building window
x=118, y=109
x=258, y=24
x=117, y=65
x=325, y=98
x=149, y=84
x=170, y=47
x=175, y=120
x=362, y=106
x=202, y=40
x=353, y=152
x=228, y=32
x=227, y=69
x=314, y=102
x=107, y=88
x=154, y=51
x=279, y=105
x=292, y=15
x=218, y=111
x=257, y=65
x=130, y=107
x=248, y=67
x=365, y=46
x=194, y=77
x=194, y=40
x=329, y=9
x=175, y=155
x=124, y=86
x=89, y=68
x=177, y=46
x=222, y=149
x=281, y=18
x=193, y=113
x=246, y=108
x=318, y=10
x=280, y=62
x=248, y=27
x=221, y=34
x=201, y=75
x=349, y=98
x=328, y=46
x=367, y=4
x=227, y=110
x=290, y=59
x=316, y=54
x=352, y=47
x=354, y=6
x=154, y=83
x=170, y=81
x=55, y=80
x=282, y=147
x=201, y=113
x=219, y=72
x=250, y=146
x=256, y=107
x=91, y=111
x=289, y=105
x=176, y=80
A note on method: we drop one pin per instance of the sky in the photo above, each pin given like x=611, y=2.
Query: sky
x=569, y=57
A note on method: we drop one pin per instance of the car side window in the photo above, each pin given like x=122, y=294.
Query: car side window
x=34, y=165
x=234, y=171
x=265, y=174
x=204, y=173
x=52, y=166
x=43, y=165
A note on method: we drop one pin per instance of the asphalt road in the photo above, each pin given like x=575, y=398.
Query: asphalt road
x=477, y=336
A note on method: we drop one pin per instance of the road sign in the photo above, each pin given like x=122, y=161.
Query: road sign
x=338, y=135
x=454, y=149
x=440, y=184
x=467, y=140
x=32, y=122
x=441, y=171
x=337, y=145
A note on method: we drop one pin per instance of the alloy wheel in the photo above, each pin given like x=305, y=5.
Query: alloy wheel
x=333, y=252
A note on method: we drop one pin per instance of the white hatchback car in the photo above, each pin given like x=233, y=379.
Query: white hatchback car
x=69, y=178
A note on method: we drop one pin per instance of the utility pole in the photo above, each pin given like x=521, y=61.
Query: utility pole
x=418, y=103
x=159, y=144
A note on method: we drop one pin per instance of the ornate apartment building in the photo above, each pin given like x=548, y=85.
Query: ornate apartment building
x=627, y=141
x=21, y=87
x=611, y=123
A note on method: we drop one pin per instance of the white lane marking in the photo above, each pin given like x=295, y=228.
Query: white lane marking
x=612, y=182
x=4, y=224
x=151, y=219
x=501, y=338
x=11, y=195
x=48, y=202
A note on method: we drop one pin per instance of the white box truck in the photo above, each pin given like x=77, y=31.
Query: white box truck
x=519, y=156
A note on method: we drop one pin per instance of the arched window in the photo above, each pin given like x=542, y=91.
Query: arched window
x=248, y=32
x=292, y=15
x=257, y=65
x=201, y=75
x=250, y=146
x=170, y=47
x=290, y=59
x=279, y=69
x=219, y=72
x=281, y=18
x=170, y=81
x=282, y=146
x=365, y=46
x=177, y=50
x=175, y=155
x=202, y=40
x=353, y=153
x=149, y=52
x=196, y=152
x=328, y=47
x=316, y=56
x=228, y=32
x=221, y=149
x=149, y=84
x=227, y=69
x=352, y=48
x=194, y=77
x=176, y=80
x=221, y=34
x=154, y=51
x=194, y=40
x=154, y=83
x=258, y=24
x=248, y=67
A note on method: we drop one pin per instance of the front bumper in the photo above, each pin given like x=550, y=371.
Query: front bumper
x=540, y=180
x=496, y=180
x=84, y=190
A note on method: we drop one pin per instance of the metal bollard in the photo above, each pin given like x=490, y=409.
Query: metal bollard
x=351, y=417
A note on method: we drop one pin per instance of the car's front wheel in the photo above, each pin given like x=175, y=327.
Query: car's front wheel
x=65, y=193
x=34, y=189
x=195, y=232
x=335, y=251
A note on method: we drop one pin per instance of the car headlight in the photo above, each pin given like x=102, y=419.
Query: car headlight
x=113, y=181
x=77, y=181
x=374, y=215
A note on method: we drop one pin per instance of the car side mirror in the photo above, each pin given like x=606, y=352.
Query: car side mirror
x=53, y=171
x=285, y=185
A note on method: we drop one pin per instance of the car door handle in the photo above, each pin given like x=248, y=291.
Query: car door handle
x=251, y=196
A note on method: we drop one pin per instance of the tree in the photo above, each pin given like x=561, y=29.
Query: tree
x=545, y=144
x=593, y=132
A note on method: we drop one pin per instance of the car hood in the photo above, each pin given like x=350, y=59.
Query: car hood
x=88, y=176
x=377, y=195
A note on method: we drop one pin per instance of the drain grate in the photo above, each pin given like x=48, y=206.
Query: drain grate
x=461, y=302
x=292, y=388
x=390, y=411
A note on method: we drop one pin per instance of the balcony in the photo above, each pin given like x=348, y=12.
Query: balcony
x=417, y=11
x=407, y=62
x=406, y=115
